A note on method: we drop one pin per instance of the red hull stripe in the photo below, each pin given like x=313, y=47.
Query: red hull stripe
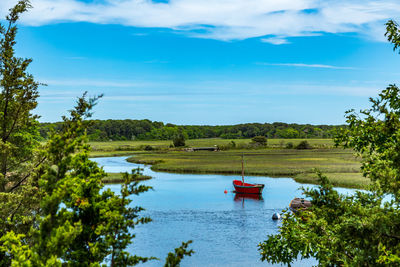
x=247, y=188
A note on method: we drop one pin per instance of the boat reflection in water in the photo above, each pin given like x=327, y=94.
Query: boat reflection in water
x=241, y=196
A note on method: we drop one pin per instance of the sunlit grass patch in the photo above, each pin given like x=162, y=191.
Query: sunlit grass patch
x=269, y=162
x=349, y=180
x=116, y=178
x=309, y=159
x=274, y=160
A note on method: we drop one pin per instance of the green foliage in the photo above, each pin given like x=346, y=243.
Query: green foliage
x=19, y=155
x=393, y=33
x=376, y=138
x=18, y=127
x=54, y=208
x=174, y=259
x=179, y=139
x=148, y=148
x=78, y=221
x=338, y=230
x=358, y=230
x=259, y=140
x=289, y=145
x=123, y=130
x=303, y=145
x=289, y=133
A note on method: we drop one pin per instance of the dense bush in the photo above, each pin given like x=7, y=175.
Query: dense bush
x=179, y=140
x=148, y=148
x=259, y=140
x=289, y=145
x=303, y=145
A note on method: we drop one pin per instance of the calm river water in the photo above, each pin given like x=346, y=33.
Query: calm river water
x=225, y=229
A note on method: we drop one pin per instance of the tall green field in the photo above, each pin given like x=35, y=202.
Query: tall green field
x=340, y=165
x=115, y=148
x=272, y=162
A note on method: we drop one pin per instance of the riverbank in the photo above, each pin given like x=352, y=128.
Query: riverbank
x=340, y=165
x=346, y=180
x=126, y=148
x=117, y=178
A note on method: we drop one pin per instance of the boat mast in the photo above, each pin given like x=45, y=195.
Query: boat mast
x=242, y=170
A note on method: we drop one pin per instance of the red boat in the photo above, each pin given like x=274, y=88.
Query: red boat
x=246, y=188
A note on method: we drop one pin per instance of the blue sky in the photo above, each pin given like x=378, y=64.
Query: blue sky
x=210, y=62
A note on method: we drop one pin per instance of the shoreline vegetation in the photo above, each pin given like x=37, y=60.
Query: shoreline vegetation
x=117, y=178
x=125, y=130
x=274, y=160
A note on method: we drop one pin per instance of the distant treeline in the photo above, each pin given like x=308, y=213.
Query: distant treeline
x=106, y=130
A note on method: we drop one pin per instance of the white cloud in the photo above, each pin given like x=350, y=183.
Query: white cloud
x=223, y=19
x=303, y=65
x=274, y=40
x=139, y=34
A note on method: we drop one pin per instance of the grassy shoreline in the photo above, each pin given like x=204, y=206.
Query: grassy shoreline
x=117, y=178
x=126, y=148
x=339, y=165
x=346, y=180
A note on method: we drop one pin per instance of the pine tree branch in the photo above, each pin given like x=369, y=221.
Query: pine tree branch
x=27, y=176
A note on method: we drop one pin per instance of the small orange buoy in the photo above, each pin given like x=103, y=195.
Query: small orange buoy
x=225, y=191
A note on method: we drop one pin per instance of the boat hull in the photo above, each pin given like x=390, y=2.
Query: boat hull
x=245, y=188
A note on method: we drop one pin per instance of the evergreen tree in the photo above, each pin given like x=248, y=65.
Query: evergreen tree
x=19, y=148
x=54, y=209
x=358, y=230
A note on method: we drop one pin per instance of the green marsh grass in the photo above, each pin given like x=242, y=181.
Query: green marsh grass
x=339, y=165
x=273, y=162
x=117, y=178
x=118, y=148
x=349, y=180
